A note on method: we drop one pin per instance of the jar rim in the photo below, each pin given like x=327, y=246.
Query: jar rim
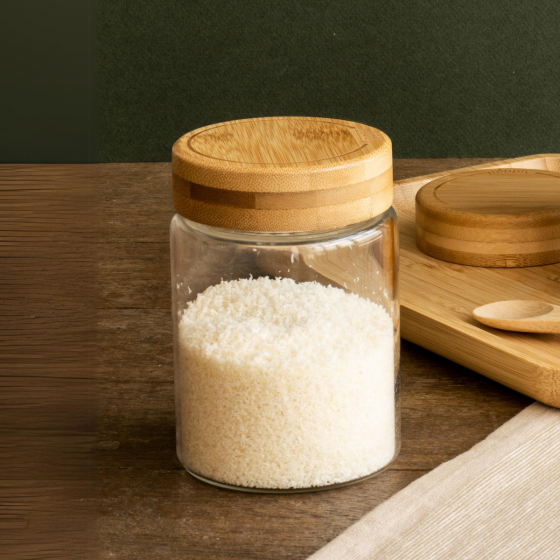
x=286, y=238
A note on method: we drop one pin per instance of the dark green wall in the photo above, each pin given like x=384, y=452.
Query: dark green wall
x=46, y=103
x=442, y=78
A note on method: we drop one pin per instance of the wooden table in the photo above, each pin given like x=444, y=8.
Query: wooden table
x=146, y=505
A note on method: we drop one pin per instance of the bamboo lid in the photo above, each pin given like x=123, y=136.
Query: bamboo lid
x=493, y=218
x=282, y=174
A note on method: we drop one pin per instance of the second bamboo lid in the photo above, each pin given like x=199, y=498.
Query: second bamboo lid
x=282, y=174
x=492, y=218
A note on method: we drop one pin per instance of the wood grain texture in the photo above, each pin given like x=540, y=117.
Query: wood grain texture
x=491, y=218
x=47, y=362
x=437, y=299
x=282, y=174
x=149, y=506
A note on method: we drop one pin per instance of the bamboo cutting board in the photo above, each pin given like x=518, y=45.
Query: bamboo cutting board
x=437, y=299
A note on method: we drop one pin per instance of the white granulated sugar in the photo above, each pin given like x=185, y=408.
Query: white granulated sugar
x=285, y=385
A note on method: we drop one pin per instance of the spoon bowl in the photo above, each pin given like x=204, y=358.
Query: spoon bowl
x=520, y=316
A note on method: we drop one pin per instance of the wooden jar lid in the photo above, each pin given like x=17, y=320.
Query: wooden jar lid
x=493, y=218
x=282, y=174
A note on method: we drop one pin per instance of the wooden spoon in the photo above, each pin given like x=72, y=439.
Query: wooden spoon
x=520, y=315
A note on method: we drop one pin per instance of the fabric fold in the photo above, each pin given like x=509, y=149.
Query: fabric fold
x=499, y=500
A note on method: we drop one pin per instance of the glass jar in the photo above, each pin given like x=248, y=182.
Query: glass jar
x=286, y=341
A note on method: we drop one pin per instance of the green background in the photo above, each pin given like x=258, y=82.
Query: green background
x=444, y=78
x=47, y=108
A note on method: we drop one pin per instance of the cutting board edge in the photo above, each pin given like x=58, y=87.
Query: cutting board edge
x=442, y=339
x=496, y=164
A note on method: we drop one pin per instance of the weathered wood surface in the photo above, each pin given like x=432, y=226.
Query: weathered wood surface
x=148, y=506
x=47, y=369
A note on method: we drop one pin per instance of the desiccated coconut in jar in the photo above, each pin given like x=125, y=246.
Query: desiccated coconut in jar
x=284, y=385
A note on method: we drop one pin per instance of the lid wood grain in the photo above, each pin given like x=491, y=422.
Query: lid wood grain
x=491, y=218
x=282, y=174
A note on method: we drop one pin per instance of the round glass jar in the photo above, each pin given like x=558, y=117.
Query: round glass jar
x=284, y=264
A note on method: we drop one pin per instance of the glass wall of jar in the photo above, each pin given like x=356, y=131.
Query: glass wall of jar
x=287, y=370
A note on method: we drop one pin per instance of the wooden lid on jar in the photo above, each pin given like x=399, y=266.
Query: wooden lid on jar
x=493, y=218
x=282, y=174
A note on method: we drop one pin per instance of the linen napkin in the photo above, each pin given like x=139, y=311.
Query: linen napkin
x=499, y=500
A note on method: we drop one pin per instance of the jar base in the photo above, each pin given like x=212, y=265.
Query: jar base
x=292, y=490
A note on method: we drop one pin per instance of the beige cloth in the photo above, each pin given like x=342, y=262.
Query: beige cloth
x=500, y=500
